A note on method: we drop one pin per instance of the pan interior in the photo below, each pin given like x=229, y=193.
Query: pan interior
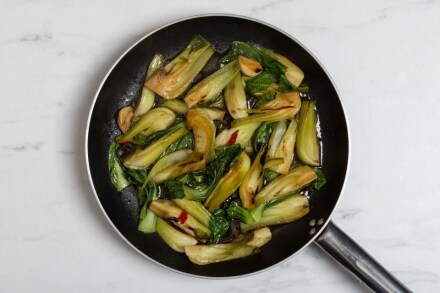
x=124, y=84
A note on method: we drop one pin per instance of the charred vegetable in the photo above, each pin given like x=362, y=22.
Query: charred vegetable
x=171, y=81
x=117, y=174
x=146, y=100
x=175, y=239
x=142, y=158
x=252, y=182
x=284, y=106
x=207, y=254
x=211, y=86
x=241, y=134
x=307, y=146
x=229, y=183
x=204, y=133
x=235, y=98
x=147, y=219
x=286, y=211
x=216, y=164
x=166, y=209
x=157, y=119
x=293, y=181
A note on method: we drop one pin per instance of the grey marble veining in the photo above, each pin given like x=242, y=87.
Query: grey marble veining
x=384, y=58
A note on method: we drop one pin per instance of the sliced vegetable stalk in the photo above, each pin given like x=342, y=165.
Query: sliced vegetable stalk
x=212, y=85
x=293, y=73
x=117, y=174
x=286, y=211
x=213, y=253
x=175, y=239
x=204, y=133
x=285, y=149
x=171, y=81
x=293, y=181
x=235, y=211
x=252, y=182
x=241, y=135
x=169, y=160
x=155, y=120
x=284, y=106
x=185, y=142
x=216, y=222
x=307, y=145
x=142, y=158
x=229, y=183
x=179, y=169
x=146, y=100
x=195, y=209
x=235, y=98
x=275, y=139
x=281, y=101
x=199, y=186
x=176, y=105
x=147, y=219
x=166, y=209
x=248, y=66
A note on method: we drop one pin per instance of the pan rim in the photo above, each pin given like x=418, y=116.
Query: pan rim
x=92, y=107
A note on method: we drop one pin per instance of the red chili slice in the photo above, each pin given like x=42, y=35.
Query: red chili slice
x=233, y=138
x=183, y=217
x=126, y=143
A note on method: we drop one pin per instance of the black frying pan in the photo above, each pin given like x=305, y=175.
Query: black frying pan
x=124, y=83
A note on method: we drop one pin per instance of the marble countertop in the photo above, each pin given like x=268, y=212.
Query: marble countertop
x=384, y=58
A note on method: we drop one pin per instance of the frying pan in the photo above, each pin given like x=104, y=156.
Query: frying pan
x=123, y=84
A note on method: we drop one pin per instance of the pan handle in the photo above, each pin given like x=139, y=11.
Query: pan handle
x=357, y=261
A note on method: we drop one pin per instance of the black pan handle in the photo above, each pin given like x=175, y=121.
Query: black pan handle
x=356, y=260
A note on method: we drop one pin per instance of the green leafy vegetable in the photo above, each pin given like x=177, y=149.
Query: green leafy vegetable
x=320, y=180
x=229, y=183
x=270, y=175
x=143, y=140
x=186, y=142
x=264, y=98
x=262, y=135
x=142, y=158
x=259, y=54
x=197, y=187
x=218, y=224
x=213, y=164
x=147, y=219
x=156, y=119
x=174, y=188
x=259, y=83
x=117, y=175
x=285, y=85
x=285, y=211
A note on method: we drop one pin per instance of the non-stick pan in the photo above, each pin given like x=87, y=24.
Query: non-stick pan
x=123, y=84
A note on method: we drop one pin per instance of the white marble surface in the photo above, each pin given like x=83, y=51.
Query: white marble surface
x=383, y=55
